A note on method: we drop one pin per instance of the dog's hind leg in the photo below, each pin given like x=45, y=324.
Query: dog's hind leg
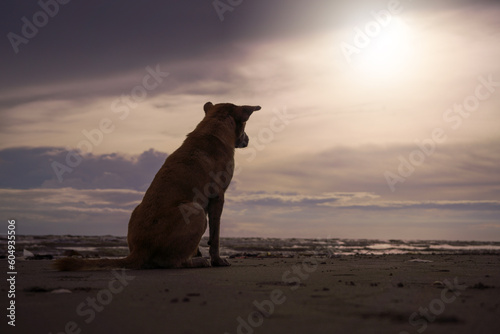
x=183, y=246
x=196, y=222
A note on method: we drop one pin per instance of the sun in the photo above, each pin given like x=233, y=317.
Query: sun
x=389, y=54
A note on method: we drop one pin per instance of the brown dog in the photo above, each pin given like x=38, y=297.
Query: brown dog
x=165, y=229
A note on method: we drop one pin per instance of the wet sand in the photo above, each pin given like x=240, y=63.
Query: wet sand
x=350, y=294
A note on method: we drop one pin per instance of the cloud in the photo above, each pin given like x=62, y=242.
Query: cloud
x=453, y=171
x=358, y=215
x=361, y=201
x=69, y=210
x=295, y=199
x=149, y=32
x=24, y=168
x=141, y=34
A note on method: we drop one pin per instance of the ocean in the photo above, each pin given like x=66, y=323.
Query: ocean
x=53, y=246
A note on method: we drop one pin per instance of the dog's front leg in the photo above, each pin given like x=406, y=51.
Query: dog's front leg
x=214, y=212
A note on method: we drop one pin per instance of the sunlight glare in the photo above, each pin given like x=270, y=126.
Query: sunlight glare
x=390, y=53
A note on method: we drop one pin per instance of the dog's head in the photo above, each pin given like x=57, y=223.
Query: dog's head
x=239, y=114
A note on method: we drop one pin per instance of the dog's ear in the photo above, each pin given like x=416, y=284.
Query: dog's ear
x=207, y=106
x=246, y=111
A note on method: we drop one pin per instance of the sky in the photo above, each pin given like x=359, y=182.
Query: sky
x=379, y=119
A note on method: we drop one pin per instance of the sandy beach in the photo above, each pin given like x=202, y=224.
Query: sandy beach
x=349, y=294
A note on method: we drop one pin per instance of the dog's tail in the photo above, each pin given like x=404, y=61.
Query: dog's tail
x=74, y=264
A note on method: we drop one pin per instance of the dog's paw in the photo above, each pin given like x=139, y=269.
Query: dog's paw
x=196, y=262
x=220, y=262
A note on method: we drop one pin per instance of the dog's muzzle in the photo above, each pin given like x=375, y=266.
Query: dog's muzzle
x=242, y=141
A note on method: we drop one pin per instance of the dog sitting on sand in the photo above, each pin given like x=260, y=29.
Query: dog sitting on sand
x=165, y=229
